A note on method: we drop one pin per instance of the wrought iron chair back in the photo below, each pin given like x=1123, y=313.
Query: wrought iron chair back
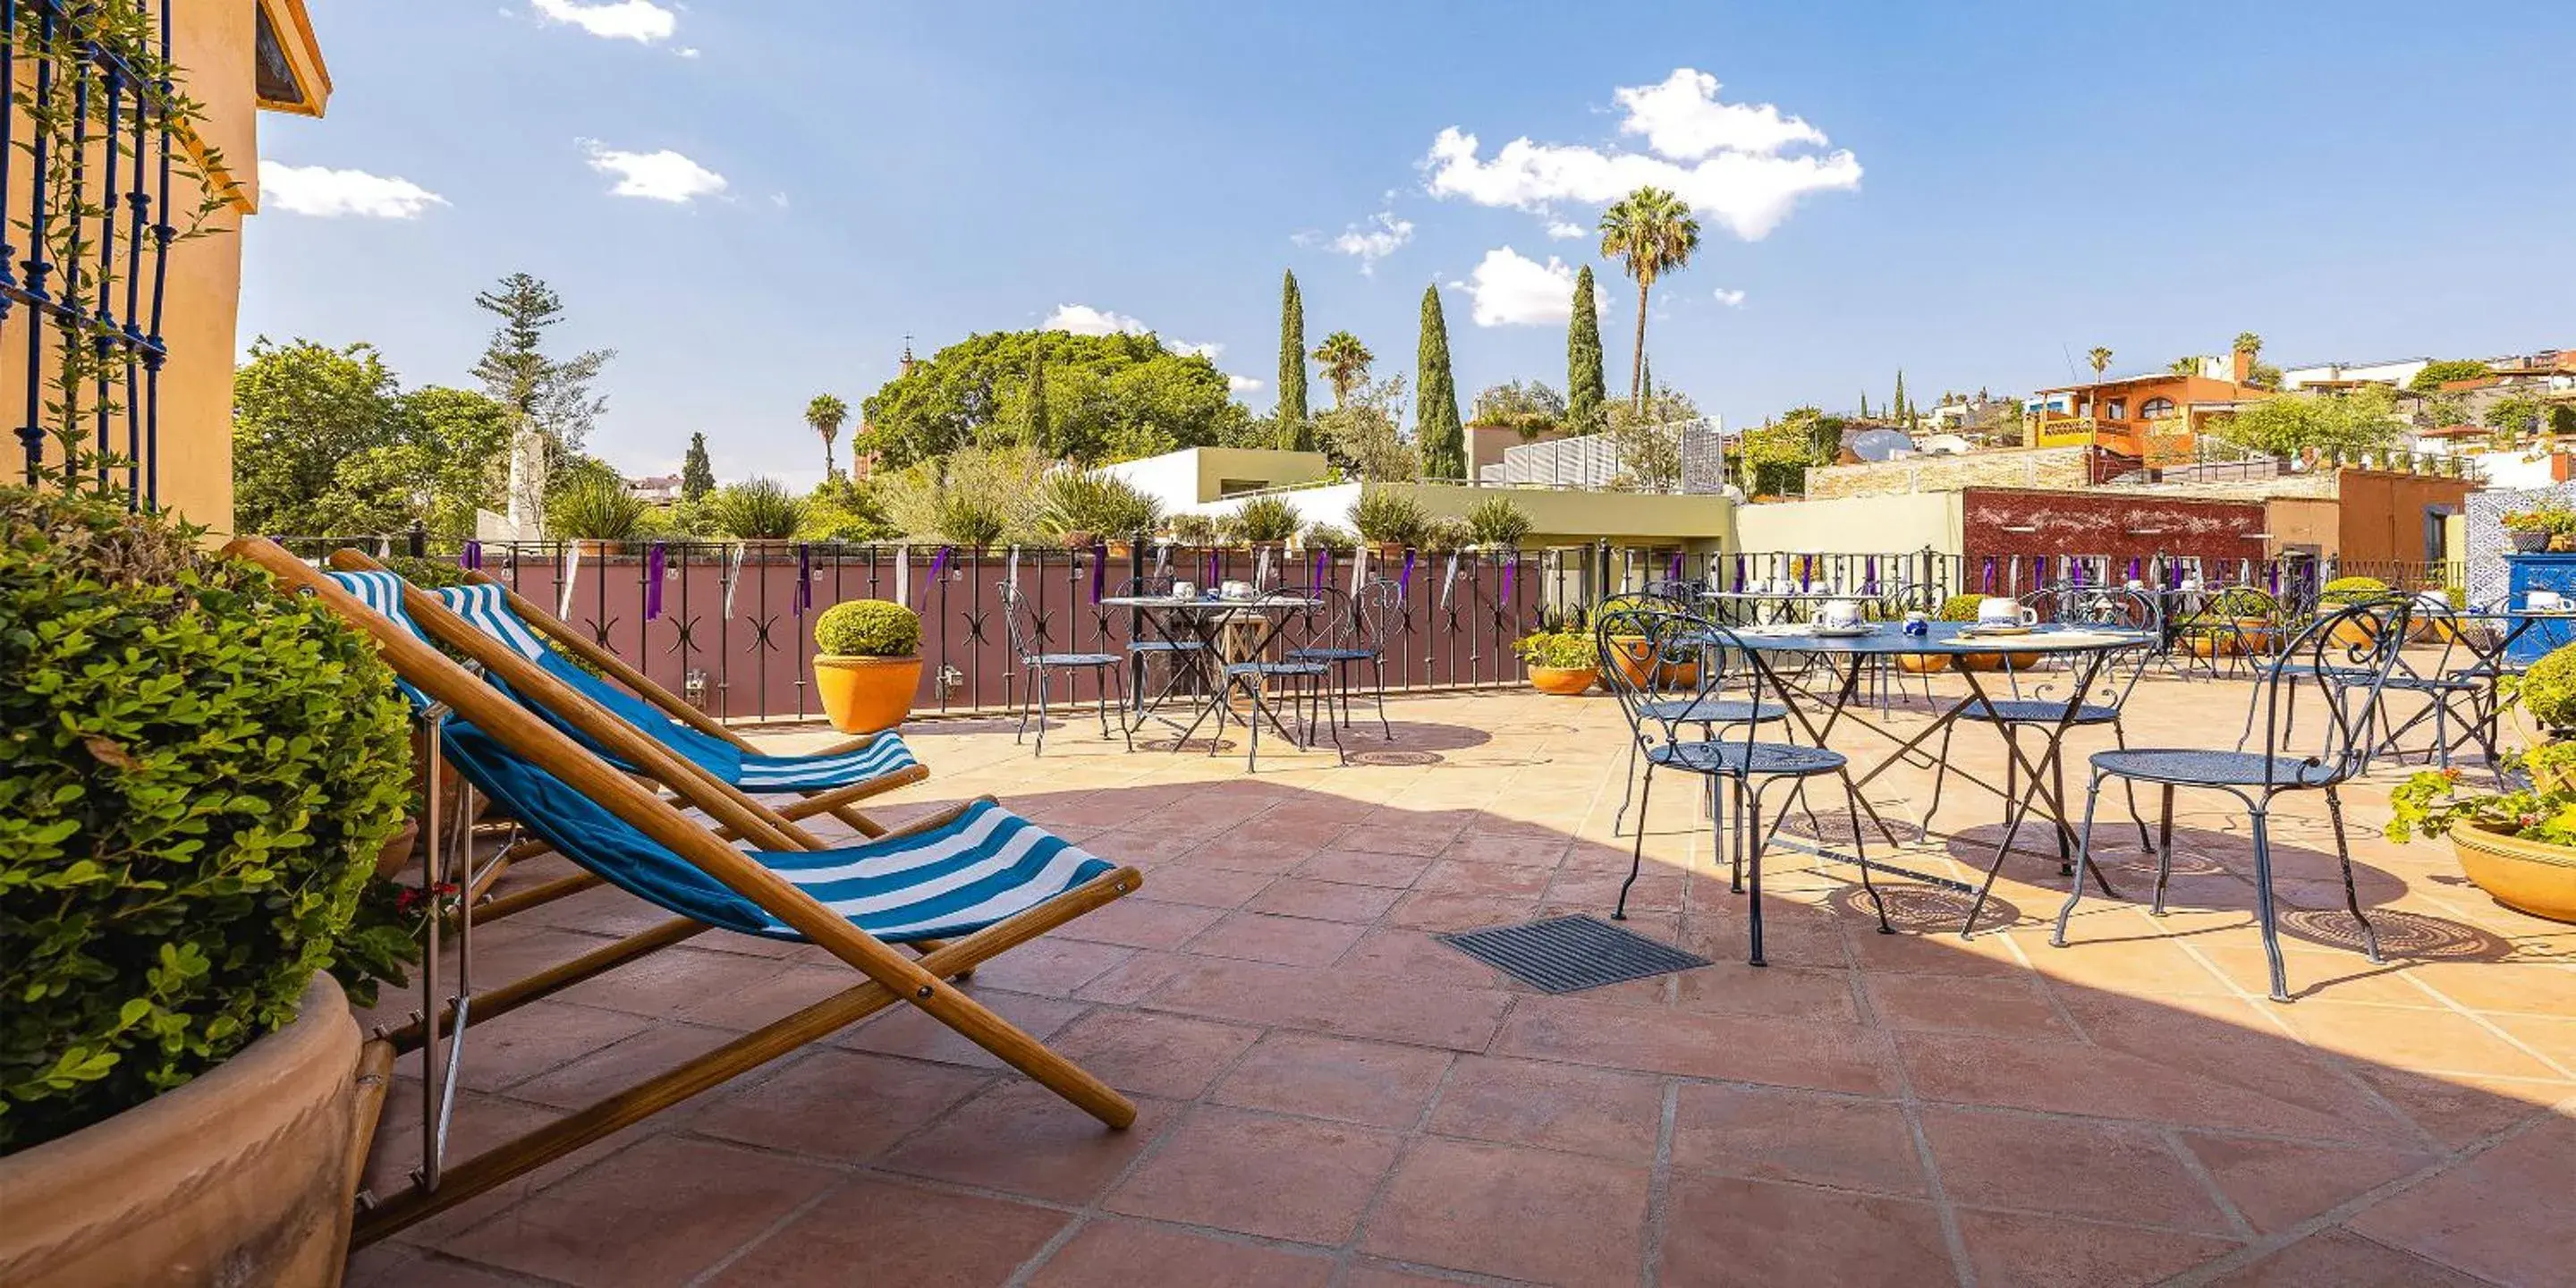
x=1018, y=621
x=1660, y=665
x=2350, y=653
x=2109, y=608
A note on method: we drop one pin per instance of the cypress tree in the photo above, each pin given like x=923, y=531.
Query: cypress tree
x=1584, y=388
x=1443, y=439
x=697, y=473
x=1864, y=404
x=1897, y=411
x=1294, y=428
x=1039, y=431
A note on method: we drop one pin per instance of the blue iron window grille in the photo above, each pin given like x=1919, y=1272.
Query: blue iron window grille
x=85, y=174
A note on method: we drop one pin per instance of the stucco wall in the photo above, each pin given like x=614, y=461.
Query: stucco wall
x=1621, y=518
x=1852, y=525
x=2383, y=513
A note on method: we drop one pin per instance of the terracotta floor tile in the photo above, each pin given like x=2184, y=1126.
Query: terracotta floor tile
x=394, y=1265
x=1519, y=1213
x=1295, y=896
x=1285, y=941
x=2427, y=1041
x=2278, y=1184
x=534, y=1039
x=1132, y=980
x=657, y=1213
x=1282, y=1178
x=1773, y=1135
x=1050, y=966
x=759, y=1002
x=665, y=982
x=1732, y=987
x=1438, y=912
x=1751, y=1234
x=2501, y=1215
x=1140, y=922
x=1394, y=952
x=2342, y=1259
x=2002, y=1005
x=1414, y=839
x=2010, y=1250
x=1126, y=1254
x=2105, y=1171
x=1370, y=1276
x=1490, y=880
x=1743, y=1048
x=1020, y=1138
x=1334, y=1001
x=1254, y=848
x=875, y=1231
x=1204, y=886
x=1372, y=1083
x=910, y=1031
x=837, y=1105
x=619, y=1065
x=1362, y=867
x=2067, y=1077
x=2455, y=1111
x=1150, y=1053
x=1552, y=1106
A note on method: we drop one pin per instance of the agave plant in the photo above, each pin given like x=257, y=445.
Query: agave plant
x=598, y=510
x=1324, y=536
x=1092, y=503
x=1266, y=519
x=1388, y=518
x=1496, y=522
x=760, y=509
x=1191, y=530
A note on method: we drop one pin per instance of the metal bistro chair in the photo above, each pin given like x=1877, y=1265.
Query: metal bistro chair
x=1027, y=638
x=1708, y=711
x=1184, y=659
x=2458, y=684
x=1355, y=629
x=1305, y=609
x=1683, y=663
x=2052, y=718
x=2367, y=637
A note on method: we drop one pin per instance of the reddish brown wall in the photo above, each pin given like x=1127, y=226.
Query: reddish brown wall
x=2100, y=523
x=2383, y=513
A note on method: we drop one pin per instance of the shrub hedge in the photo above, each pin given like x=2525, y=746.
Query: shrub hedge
x=868, y=628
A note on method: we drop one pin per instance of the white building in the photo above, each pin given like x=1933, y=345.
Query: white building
x=2394, y=373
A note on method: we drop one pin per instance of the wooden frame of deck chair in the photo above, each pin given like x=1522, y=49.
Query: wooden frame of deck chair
x=837, y=801
x=501, y=724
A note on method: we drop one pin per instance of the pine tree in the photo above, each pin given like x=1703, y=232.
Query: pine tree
x=551, y=410
x=1898, y=410
x=697, y=473
x=1646, y=380
x=1436, y=427
x=1864, y=404
x=1296, y=430
x=1585, y=390
x=1039, y=432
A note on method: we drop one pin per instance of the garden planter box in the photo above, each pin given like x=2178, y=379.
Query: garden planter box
x=240, y=1177
x=866, y=694
x=2526, y=876
x=1564, y=681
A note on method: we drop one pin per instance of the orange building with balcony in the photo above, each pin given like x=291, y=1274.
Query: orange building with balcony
x=2146, y=420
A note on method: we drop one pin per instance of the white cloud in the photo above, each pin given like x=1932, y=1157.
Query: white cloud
x=322, y=191
x=1381, y=236
x=778, y=199
x=639, y=20
x=658, y=176
x=1241, y=384
x=1682, y=119
x=1564, y=229
x=689, y=52
x=1509, y=289
x=1725, y=160
x=1082, y=319
x=1731, y=299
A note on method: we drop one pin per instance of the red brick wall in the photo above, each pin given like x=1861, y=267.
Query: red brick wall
x=2101, y=523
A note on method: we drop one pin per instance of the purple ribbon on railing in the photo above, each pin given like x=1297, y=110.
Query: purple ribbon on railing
x=2276, y=581
x=471, y=557
x=2038, y=571
x=1404, y=579
x=1511, y=578
x=1677, y=566
x=1215, y=573
x=656, y=562
x=2133, y=568
x=1869, y=586
x=1323, y=564
x=1990, y=574
x=938, y=565
x=1099, y=571
x=1739, y=570
x=804, y=578
x=1806, y=572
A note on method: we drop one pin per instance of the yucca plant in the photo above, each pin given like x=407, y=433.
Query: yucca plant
x=598, y=510
x=1092, y=504
x=1266, y=519
x=1496, y=522
x=1191, y=530
x=1324, y=536
x=760, y=509
x=1388, y=518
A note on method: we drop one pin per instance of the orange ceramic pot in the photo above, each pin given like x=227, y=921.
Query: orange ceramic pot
x=2526, y=876
x=1977, y=661
x=1922, y=663
x=1634, y=651
x=1564, y=681
x=866, y=694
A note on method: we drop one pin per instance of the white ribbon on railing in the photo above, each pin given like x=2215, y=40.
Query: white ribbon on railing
x=1162, y=559
x=903, y=574
x=731, y=572
x=1448, y=580
x=1261, y=570
x=1359, y=570
x=1011, y=568
x=571, y=567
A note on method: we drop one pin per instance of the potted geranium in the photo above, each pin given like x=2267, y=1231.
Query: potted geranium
x=2530, y=530
x=197, y=772
x=1560, y=662
x=868, y=663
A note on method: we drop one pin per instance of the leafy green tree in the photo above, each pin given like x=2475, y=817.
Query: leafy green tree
x=1532, y=408
x=2516, y=414
x=1648, y=439
x=1898, y=410
x=463, y=440
x=1038, y=433
x=1109, y=397
x=1435, y=404
x=1346, y=363
x=326, y=443
x=2100, y=357
x=1584, y=390
x=1651, y=232
x=697, y=473
x=1363, y=435
x=2287, y=425
x=826, y=414
x=1291, y=413
x=2434, y=374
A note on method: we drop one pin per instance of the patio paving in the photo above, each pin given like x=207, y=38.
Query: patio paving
x=1329, y=1095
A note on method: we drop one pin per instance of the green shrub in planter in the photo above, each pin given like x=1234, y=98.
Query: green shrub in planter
x=1266, y=519
x=868, y=628
x=1497, y=523
x=1960, y=608
x=2344, y=592
x=596, y=510
x=196, y=773
x=1388, y=518
x=2548, y=689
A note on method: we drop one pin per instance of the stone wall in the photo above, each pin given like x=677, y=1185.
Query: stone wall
x=2036, y=467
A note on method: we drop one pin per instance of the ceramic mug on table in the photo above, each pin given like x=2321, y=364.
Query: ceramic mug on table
x=1185, y=590
x=1841, y=614
x=2542, y=601
x=1995, y=610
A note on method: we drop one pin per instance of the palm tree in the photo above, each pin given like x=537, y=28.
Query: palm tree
x=826, y=414
x=2100, y=358
x=2249, y=344
x=1651, y=232
x=1346, y=363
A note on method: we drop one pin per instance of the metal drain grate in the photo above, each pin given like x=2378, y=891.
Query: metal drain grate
x=1565, y=954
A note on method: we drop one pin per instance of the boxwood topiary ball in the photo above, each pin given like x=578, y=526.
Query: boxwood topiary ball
x=868, y=628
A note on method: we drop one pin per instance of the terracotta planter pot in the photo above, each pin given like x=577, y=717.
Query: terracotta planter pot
x=397, y=851
x=243, y=1176
x=866, y=694
x=1564, y=681
x=1977, y=661
x=2526, y=876
x=2209, y=645
x=589, y=549
x=455, y=793
x=1635, y=651
x=2528, y=543
x=1922, y=663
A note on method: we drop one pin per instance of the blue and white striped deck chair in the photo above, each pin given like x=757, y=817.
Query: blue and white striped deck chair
x=975, y=876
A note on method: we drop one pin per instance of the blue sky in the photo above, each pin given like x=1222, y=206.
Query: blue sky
x=753, y=201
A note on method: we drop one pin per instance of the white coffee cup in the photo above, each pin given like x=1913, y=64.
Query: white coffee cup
x=1995, y=610
x=1185, y=590
x=1841, y=614
x=2542, y=601
x=1235, y=590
